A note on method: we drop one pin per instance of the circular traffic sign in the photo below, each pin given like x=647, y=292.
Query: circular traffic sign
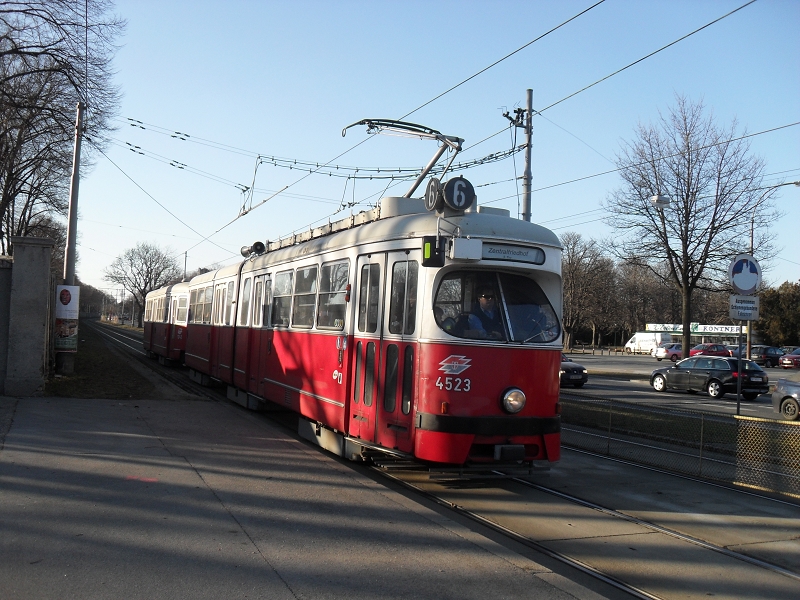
x=745, y=274
x=433, y=195
x=459, y=193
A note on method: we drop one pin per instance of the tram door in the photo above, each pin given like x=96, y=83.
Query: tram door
x=399, y=348
x=386, y=330
x=262, y=339
x=366, y=344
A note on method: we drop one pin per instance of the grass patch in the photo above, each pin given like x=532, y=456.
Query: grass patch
x=99, y=373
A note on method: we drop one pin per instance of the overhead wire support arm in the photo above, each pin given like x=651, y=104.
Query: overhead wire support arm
x=415, y=130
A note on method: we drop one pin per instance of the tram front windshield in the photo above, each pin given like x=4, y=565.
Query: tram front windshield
x=495, y=306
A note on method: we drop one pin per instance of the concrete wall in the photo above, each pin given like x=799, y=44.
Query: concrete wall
x=29, y=317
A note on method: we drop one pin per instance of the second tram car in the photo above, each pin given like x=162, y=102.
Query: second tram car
x=433, y=335
x=165, y=316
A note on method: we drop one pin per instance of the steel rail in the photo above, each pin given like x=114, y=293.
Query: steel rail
x=660, y=529
x=517, y=537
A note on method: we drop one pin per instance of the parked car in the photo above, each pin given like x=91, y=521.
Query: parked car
x=716, y=376
x=734, y=350
x=674, y=352
x=572, y=373
x=661, y=345
x=709, y=350
x=791, y=360
x=766, y=355
x=786, y=397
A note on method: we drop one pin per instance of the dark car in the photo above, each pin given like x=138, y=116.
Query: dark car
x=711, y=374
x=709, y=350
x=786, y=397
x=791, y=360
x=766, y=355
x=572, y=373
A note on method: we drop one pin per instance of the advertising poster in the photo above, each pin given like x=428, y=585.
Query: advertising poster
x=66, y=331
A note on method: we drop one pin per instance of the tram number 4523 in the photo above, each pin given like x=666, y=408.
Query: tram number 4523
x=453, y=384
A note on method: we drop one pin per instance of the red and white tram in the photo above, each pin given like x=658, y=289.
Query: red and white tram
x=429, y=334
x=165, y=316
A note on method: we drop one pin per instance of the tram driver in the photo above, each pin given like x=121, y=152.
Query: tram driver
x=484, y=320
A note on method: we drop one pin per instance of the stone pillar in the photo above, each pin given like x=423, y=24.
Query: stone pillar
x=29, y=316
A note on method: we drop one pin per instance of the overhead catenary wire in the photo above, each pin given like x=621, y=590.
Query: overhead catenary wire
x=727, y=141
x=591, y=85
x=149, y=195
x=497, y=62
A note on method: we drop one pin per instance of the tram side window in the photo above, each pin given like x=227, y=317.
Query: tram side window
x=208, y=301
x=147, y=306
x=368, y=296
x=305, y=297
x=219, y=305
x=332, y=291
x=403, y=303
x=229, y=304
x=181, y=316
x=244, y=303
x=257, y=310
x=282, y=299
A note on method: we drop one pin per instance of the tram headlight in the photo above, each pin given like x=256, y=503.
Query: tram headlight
x=513, y=400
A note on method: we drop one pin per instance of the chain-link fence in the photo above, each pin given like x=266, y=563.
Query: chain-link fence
x=759, y=453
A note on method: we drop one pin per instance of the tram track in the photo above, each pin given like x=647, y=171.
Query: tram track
x=614, y=578
x=415, y=481
x=131, y=344
x=522, y=539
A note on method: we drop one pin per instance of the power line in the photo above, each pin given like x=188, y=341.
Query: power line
x=497, y=62
x=538, y=112
x=648, y=56
x=736, y=139
x=182, y=136
x=149, y=195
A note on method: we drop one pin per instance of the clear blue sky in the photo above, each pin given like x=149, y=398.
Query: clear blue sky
x=283, y=79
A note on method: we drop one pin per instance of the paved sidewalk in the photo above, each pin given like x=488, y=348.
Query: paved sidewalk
x=198, y=499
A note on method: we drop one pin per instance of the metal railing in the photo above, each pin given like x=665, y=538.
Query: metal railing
x=759, y=453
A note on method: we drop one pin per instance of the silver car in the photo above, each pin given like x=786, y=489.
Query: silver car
x=786, y=397
x=674, y=352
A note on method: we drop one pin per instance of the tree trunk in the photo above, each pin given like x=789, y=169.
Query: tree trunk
x=686, y=298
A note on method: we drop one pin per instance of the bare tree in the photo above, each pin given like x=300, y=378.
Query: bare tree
x=53, y=53
x=580, y=269
x=716, y=191
x=141, y=270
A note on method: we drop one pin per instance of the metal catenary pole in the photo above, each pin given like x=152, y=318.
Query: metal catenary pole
x=527, y=180
x=72, y=226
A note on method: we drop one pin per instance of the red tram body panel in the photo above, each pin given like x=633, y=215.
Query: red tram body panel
x=389, y=330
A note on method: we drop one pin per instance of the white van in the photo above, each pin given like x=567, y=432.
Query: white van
x=643, y=342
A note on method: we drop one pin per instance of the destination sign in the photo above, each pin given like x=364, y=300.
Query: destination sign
x=511, y=252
